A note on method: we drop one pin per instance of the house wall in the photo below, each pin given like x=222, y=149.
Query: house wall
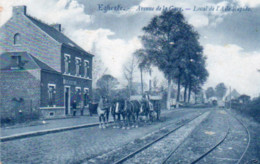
x=33, y=39
x=52, y=78
x=83, y=82
x=32, y=85
x=20, y=91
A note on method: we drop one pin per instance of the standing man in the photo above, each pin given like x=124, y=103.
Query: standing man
x=74, y=107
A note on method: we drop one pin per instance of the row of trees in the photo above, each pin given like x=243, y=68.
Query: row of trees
x=171, y=44
x=219, y=91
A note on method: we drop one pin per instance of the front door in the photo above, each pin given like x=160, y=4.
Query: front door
x=67, y=100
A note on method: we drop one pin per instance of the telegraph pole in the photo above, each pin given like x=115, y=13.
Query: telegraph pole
x=150, y=81
x=230, y=97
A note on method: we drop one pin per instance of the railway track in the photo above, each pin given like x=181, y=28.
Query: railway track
x=248, y=140
x=127, y=157
x=165, y=160
x=198, y=159
x=223, y=139
x=211, y=149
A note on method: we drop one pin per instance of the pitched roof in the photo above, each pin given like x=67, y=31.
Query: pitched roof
x=42, y=65
x=55, y=34
x=29, y=62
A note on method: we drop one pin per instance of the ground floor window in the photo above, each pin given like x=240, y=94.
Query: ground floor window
x=51, y=94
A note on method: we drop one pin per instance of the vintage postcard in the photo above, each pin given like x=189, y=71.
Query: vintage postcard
x=130, y=81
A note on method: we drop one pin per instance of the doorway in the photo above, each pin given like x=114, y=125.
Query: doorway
x=67, y=99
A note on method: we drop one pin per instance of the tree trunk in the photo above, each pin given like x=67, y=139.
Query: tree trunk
x=185, y=92
x=178, y=92
x=196, y=99
x=142, y=86
x=150, y=81
x=189, y=92
x=131, y=87
x=168, y=105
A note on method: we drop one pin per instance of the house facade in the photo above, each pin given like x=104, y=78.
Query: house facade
x=42, y=70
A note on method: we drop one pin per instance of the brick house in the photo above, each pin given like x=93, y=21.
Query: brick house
x=42, y=70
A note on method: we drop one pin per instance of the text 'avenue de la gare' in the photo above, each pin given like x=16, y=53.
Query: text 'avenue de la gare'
x=118, y=7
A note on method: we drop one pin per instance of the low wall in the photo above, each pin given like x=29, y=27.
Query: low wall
x=52, y=112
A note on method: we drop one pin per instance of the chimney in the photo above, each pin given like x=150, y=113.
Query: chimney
x=19, y=10
x=57, y=27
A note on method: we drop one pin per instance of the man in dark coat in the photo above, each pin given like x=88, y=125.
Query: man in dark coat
x=74, y=107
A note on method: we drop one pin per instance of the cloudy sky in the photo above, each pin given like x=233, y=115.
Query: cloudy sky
x=231, y=39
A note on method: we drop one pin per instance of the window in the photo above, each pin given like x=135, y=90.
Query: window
x=86, y=67
x=67, y=63
x=16, y=62
x=17, y=39
x=51, y=94
x=78, y=64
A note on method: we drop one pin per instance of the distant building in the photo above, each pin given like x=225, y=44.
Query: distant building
x=234, y=95
x=42, y=70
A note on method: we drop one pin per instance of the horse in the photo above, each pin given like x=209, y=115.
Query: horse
x=117, y=110
x=129, y=113
x=147, y=110
x=136, y=107
x=103, y=113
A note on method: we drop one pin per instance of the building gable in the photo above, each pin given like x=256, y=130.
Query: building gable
x=32, y=39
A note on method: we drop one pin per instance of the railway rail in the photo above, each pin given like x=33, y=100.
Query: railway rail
x=202, y=155
x=248, y=140
x=214, y=147
x=154, y=141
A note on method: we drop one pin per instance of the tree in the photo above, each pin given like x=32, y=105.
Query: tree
x=98, y=69
x=129, y=70
x=210, y=92
x=144, y=64
x=165, y=42
x=106, y=84
x=220, y=90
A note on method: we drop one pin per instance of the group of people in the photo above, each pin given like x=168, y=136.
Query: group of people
x=74, y=107
x=126, y=112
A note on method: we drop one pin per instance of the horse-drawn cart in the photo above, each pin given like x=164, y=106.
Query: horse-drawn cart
x=156, y=101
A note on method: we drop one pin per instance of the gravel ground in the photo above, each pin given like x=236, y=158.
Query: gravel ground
x=79, y=145
x=157, y=152
x=117, y=154
x=233, y=146
x=205, y=136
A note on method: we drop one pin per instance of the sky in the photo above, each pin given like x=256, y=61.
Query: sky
x=231, y=39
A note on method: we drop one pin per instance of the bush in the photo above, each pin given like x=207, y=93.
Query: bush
x=23, y=117
x=6, y=120
x=252, y=109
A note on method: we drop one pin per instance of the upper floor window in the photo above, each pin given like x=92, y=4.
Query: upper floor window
x=86, y=68
x=78, y=64
x=67, y=63
x=51, y=94
x=17, y=39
